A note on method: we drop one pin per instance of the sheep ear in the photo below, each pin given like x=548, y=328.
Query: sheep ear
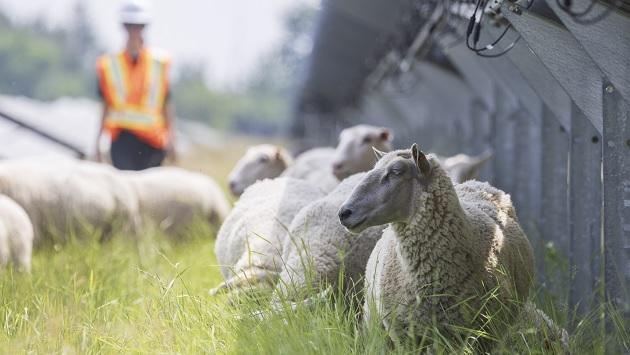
x=420, y=160
x=378, y=153
x=278, y=154
x=386, y=135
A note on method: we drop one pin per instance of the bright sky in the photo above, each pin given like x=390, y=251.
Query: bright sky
x=227, y=37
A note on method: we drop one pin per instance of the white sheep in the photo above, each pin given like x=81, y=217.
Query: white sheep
x=268, y=161
x=320, y=247
x=66, y=196
x=173, y=199
x=264, y=161
x=444, y=249
x=354, y=152
x=250, y=242
x=16, y=235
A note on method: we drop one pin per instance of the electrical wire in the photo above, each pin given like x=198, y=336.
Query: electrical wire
x=474, y=28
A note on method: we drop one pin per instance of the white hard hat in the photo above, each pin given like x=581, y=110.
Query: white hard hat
x=135, y=12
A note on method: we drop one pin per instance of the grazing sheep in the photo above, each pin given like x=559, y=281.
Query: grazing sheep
x=322, y=245
x=16, y=235
x=354, y=152
x=173, y=199
x=65, y=196
x=444, y=249
x=250, y=241
x=265, y=161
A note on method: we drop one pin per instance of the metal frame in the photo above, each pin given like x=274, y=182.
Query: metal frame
x=601, y=34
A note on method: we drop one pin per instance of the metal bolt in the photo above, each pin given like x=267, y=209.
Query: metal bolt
x=516, y=9
x=610, y=89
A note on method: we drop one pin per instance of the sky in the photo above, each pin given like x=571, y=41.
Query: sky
x=226, y=37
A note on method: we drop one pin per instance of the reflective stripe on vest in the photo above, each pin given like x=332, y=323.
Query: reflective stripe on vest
x=127, y=110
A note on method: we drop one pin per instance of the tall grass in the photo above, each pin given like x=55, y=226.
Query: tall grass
x=87, y=297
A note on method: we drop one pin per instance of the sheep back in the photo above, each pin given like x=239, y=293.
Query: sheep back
x=254, y=231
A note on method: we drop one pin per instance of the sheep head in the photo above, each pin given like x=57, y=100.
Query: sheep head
x=260, y=162
x=354, y=151
x=387, y=192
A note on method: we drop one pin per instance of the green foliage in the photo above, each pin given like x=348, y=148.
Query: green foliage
x=263, y=106
x=224, y=109
x=43, y=64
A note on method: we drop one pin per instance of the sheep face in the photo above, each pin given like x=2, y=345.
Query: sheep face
x=259, y=162
x=354, y=151
x=387, y=193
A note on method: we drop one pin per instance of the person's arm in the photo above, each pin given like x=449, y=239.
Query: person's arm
x=101, y=127
x=169, y=116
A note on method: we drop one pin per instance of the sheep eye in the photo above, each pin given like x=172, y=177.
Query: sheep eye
x=263, y=159
x=367, y=140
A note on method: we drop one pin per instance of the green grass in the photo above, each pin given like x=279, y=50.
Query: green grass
x=90, y=298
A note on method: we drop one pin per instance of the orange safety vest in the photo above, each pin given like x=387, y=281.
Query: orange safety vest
x=135, y=94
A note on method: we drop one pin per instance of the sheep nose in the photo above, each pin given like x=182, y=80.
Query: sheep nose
x=344, y=213
x=337, y=166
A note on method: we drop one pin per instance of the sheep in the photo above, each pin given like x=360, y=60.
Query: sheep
x=354, y=154
x=321, y=244
x=268, y=161
x=65, y=196
x=354, y=151
x=444, y=248
x=264, y=161
x=16, y=235
x=173, y=199
x=250, y=241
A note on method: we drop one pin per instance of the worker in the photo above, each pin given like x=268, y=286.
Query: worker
x=138, y=111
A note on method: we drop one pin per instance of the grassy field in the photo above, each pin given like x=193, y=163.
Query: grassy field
x=87, y=298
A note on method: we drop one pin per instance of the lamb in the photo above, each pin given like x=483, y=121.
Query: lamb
x=16, y=235
x=173, y=199
x=444, y=249
x=321, y=244
x=250, y=241
x=65, y=196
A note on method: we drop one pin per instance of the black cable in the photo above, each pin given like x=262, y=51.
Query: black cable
x=507, y=49
x=474, y=27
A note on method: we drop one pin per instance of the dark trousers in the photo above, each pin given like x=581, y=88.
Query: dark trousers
x=130, y=153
